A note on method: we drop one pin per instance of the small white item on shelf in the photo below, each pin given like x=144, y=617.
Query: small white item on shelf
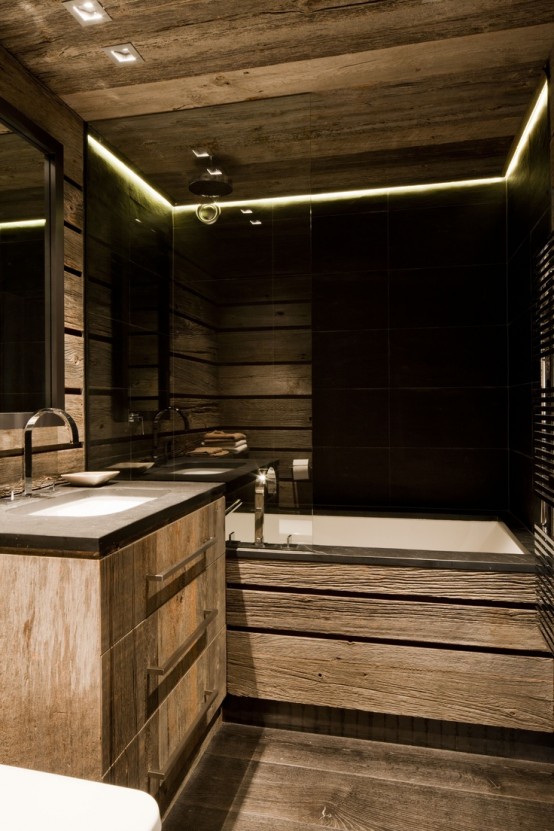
x=300, y=469
x=90, y=478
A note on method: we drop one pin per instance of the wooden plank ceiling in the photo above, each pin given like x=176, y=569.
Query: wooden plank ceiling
x=293, y=96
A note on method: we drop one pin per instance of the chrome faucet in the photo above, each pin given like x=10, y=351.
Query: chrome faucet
x=259, y=506
x=28, y=441
x=156, y=428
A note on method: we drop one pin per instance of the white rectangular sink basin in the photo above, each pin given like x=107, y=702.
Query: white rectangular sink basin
x=94, y=505
x=204, y=471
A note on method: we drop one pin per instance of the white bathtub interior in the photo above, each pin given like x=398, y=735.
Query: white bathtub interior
x=486, y=536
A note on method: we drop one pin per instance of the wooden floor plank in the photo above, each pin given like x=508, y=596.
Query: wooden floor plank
x=242, y=792
x=381, y=760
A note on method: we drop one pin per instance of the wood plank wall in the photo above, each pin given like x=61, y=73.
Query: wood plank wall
x=21, y=90
x=193, y=340
x=265, y=346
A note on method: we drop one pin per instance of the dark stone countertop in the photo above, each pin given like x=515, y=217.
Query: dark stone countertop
x=23, y=531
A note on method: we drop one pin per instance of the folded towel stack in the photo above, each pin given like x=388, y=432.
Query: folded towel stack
x=220, y=443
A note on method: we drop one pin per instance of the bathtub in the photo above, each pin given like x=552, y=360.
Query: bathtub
x=457, y=535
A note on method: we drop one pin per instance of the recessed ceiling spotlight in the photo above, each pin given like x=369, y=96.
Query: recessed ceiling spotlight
x=213, y=170
x=246, y=210
x=123, y=53
x=87, y=12
x=255, y=222
x=201, y=154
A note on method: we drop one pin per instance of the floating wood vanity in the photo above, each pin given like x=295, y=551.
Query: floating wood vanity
x=450, y=640
x=113, y=651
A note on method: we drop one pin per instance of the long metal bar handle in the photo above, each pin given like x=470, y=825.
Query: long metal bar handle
x=185, y=646
x=233, y=506
x=163, y=774
x=164, y=575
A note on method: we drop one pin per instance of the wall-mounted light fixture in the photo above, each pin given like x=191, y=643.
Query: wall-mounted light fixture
x=123, y=53
x=87, y=12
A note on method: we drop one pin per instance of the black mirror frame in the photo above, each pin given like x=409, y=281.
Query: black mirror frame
x=53, y=263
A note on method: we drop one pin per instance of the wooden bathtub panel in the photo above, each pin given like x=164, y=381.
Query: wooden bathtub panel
x=495, y=627
x=455, y=685
x=388, y=580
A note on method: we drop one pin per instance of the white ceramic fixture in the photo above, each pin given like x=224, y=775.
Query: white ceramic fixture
x=37, y=801
x=90, y=478
x=95, y=505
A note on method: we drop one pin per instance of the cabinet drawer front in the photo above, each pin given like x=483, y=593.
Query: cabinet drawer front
x=430, y=621
x=141, y=577
x=156, y=760
x=454, y=685
x=389, y=580
x=141, y=670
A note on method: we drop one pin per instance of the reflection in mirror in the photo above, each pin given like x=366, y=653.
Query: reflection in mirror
x=31, y=276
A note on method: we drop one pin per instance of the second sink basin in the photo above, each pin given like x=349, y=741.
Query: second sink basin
x=94, y=505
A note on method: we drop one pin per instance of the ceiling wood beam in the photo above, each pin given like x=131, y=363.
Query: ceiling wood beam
x=481, y=52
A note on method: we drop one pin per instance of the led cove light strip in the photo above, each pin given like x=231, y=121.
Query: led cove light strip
x=23, y=223
x=541, y=104
x=125, y=170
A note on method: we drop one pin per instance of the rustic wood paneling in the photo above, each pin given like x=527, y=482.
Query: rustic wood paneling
x=267, y=380
x=496, y=689
x=188, y=708
x=74, y=362
x=493, y=627
x=265, y=413
x=50, y=642
x=73, y=205
x=389, y=580
x=192, y=377
x=128, y=596
x=268, y=347
x=266, y=316
x=73, y=301
x=131, y=693
x=278, y=780
x=193, y=305
x=73, y=249
x=369, y=68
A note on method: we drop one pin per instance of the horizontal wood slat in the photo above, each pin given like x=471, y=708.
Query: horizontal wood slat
x=496, y=627
x=455, y=685
x=388, y=580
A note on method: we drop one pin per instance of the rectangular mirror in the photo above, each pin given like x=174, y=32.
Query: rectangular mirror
x=31, y=269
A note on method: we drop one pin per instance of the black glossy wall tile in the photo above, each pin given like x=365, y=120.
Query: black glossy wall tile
x=343, y=418
x=448, y=296
x=350, y=360
x=463, y=479
x=524, y=503
x=521, y=418
x=349, y=243
x=449, y=418
x=351, y=477
x=455, y=235
x=520, y=280
x=357, y=300
x=470, y=356
x=523, y=369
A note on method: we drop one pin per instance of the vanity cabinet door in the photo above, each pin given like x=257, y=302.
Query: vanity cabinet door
x=142, y=669
x=140, y=578
x=159, y=757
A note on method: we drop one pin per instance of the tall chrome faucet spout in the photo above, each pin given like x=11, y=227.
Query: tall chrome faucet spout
x=28, y=441
x=156, y=428
x=259, y=506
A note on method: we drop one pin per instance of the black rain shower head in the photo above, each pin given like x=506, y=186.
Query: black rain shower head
x=213, y=185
